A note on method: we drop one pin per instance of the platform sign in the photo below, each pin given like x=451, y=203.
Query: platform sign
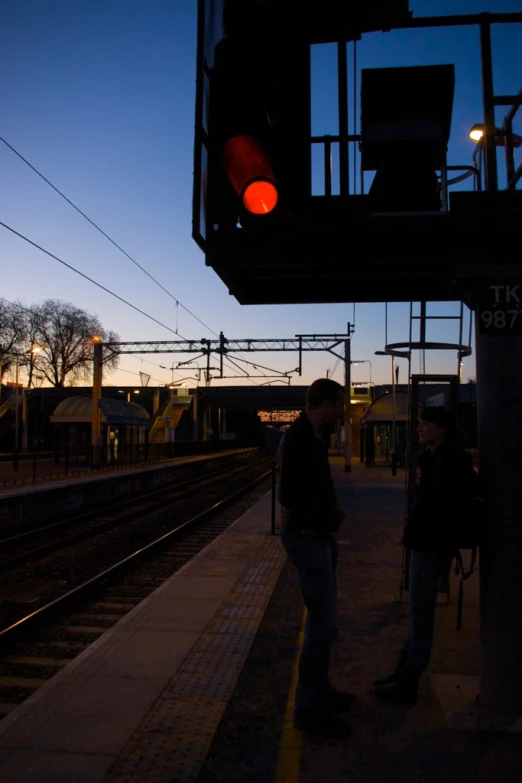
x=500, y=309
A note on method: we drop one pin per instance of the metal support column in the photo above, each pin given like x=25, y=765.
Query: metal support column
x=394, y=422
x=96, y=397
x=347, y=413
x=342, y=81
x=195, y=428
x=155, y=402
x=25, y=429
x=490, y=150
x=17, y=412
x=499, y=391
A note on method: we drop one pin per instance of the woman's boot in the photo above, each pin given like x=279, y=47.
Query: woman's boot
x=391, y=678
x=403, y=690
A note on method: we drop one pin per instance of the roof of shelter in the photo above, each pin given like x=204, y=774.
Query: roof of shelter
x=381, y=409
x=75, y=410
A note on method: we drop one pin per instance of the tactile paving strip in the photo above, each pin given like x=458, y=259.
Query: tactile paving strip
x=173, y=740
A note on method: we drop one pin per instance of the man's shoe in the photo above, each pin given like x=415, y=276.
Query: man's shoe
x=320, y=723
x=394, y=676
x=340, y=701
x=404, y=690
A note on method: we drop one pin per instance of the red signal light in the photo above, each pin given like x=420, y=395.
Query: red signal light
x=249, y=170
x=260, y=196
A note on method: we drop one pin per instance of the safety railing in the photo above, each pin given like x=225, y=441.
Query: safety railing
x=66, y=462
x=505, y=137
x=341, y=144
x=331, y=144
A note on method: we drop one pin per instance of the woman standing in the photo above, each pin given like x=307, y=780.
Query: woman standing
x=447, y=481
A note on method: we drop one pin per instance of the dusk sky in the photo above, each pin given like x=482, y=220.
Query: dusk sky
x=98, y=95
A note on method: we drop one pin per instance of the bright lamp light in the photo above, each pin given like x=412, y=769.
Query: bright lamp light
x=476, y=132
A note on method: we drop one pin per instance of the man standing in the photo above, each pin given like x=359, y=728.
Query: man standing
x=310, y=520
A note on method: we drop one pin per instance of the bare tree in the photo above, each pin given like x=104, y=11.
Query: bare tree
x=12, y=334
x=31, y=324
x=65, y=335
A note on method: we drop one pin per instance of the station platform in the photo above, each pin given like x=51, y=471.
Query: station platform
x=47, y=498
x=91, y=476
x=196, y=683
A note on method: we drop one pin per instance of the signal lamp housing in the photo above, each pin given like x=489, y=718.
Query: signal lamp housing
x=249, y=170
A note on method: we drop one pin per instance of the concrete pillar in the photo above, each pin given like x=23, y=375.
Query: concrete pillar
x=499, y=419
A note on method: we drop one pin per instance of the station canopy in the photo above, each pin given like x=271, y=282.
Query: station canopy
x=382, y=409
x=78, y=410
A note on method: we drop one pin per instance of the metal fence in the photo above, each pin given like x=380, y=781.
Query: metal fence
x=64, y=462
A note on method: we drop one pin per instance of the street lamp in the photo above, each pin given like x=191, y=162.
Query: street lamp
x=363, y=361
x=195, y=377
x=164, y=367
x=476, y=134
x=33, y=351
x=135, y=391
x=17, y=356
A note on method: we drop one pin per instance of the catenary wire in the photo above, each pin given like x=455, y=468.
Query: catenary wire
x=105, y=235
x=178, y=302
x=90, y=279
x=100, y=286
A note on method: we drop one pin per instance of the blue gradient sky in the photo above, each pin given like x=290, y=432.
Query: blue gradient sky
x=99, y=96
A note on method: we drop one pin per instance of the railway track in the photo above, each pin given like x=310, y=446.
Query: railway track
x=35, y=647
x=28, y=544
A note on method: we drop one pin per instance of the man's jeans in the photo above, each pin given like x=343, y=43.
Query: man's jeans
x=426, y=568
x=315, y=558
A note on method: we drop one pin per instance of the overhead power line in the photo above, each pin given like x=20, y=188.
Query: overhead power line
x=95, y=225
x=105, y=235
x=21, y=307
x=48, y=253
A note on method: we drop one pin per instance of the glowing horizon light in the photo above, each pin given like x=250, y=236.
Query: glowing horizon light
x=260, y=197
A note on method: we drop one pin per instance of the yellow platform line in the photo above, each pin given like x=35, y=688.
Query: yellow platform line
x=289, y=755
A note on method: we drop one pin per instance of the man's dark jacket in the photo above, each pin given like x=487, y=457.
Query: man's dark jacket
x=306, y=489
x=447, y=482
